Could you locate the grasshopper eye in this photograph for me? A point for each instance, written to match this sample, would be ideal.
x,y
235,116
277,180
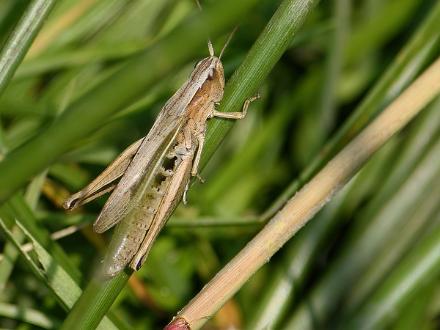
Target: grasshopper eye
x,y
211,74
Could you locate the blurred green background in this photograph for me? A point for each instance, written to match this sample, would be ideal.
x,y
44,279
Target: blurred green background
x,y
92,82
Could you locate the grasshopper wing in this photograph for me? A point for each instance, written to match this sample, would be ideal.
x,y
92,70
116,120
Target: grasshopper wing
x,y
140,214
171,117
104,182
173,195
143,167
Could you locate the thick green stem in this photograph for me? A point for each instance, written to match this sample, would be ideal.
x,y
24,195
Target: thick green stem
x,y
95,302
89,112
260,60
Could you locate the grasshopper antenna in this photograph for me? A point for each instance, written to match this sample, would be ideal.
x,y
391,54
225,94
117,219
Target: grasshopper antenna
x,y
210,47
227,42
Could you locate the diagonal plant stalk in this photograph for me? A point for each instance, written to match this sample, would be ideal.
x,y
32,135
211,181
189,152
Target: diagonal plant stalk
x,y
270,45
289,276
415,227
124,86
408,63
53,267
99,294
334,65
222,181
8,260
369,235
418,312
10,252
28,315
378,27
266,157
420,266
50,272
310,199
11,15
410,59
19,208
20,40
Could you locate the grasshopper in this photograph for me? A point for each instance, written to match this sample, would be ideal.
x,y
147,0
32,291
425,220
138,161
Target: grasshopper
x,y
152,175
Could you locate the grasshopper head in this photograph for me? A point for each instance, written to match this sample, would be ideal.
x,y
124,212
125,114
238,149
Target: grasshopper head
x,y
212,65
210,69
218,71
216,78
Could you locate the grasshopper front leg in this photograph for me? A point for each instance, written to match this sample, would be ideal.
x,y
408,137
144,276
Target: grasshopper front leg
x,y
238,114
218,114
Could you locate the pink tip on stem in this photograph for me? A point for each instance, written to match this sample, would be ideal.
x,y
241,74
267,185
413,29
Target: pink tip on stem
x,y
178,323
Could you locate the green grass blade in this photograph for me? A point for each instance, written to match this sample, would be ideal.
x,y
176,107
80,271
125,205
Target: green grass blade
x,y
20,40
416,270
86,114
10,253
300,255
364,242
19,208
408,63
253,69
28,315
260,60
397,247
50,272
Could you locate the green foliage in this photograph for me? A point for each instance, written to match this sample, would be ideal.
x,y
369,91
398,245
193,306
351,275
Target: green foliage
x,y
94,79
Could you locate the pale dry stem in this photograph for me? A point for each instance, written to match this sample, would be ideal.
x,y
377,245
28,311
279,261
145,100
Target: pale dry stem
x,y
311,198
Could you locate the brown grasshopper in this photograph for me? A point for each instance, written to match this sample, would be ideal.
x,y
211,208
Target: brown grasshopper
x,y
154,172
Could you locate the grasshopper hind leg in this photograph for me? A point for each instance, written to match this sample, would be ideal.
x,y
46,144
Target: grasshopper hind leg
x,y
174,191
